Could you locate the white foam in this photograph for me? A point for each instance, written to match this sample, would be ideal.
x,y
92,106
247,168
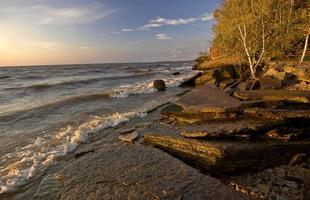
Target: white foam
x,y
28,162
144,87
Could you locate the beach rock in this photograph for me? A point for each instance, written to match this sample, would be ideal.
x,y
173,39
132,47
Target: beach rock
x,y
49,189
206,77
236,127
176,112
228,156
279,113
176,73
208,98
138,172
159,85
216,63
286,133
190,82
287,95
129,137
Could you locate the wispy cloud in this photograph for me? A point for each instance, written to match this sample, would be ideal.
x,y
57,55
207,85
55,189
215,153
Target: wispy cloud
x,y
162,36
160,21
127,30
43,14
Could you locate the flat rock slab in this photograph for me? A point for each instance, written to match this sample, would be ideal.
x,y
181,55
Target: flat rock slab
x,y
288,95
229,156
278,113
237,127
138,172
208,98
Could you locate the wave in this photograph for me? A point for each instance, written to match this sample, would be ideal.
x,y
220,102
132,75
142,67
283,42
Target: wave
x,y
47,85
123,91
31,161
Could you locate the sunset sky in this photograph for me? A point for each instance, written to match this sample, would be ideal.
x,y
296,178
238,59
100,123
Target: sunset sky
x,y
34,32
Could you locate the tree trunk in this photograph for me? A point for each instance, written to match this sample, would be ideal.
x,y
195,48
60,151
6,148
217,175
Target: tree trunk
x,y
305,49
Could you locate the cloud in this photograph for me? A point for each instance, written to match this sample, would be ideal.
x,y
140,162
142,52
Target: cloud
x,y
162,36
43,14
127,30
160,21
207,17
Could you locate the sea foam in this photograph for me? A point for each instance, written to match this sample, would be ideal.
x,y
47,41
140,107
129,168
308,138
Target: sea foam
x,y
31,161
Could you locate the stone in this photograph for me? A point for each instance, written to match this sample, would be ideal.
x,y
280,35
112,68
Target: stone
x,y
208,98
297,159
228,156
129,137
176,73
190,82
159,85
138,172
235,127
49,189
291,184
287,95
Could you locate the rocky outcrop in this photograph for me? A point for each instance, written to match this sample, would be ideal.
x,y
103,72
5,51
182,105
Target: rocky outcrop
x,y
302,96
159,85
230,128
208,98
229,156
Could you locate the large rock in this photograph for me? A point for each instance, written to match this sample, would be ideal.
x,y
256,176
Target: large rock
x,y
287,95
278,113
229,156
302,72
215,64
190,82
138,172
160,85
208,98
237,127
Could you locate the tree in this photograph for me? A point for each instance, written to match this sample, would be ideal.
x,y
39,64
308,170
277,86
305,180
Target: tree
x,y
256,31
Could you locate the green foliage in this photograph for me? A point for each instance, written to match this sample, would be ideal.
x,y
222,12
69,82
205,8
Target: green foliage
x,y
282,23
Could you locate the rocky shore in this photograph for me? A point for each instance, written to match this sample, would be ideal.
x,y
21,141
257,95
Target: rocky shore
x,y
224,139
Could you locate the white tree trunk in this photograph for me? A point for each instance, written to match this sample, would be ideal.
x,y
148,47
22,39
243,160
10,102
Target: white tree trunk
x,y
305,49
253,66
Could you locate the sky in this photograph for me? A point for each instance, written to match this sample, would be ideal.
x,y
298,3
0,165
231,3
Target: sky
x,y
44,32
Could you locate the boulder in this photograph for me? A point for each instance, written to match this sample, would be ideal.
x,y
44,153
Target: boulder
x,y
138,172
208,98
229,156
286,95
159,85
190,82
216,64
